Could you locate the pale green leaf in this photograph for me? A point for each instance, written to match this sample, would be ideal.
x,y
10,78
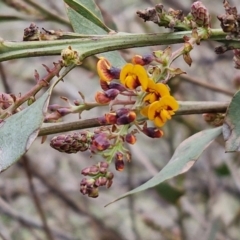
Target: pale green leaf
x,y
231,126
18,132
182,160
89,10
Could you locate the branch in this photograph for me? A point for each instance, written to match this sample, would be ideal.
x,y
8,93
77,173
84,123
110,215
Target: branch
x,y
185,108
88,45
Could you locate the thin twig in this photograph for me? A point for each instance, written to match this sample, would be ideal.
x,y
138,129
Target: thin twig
x,y
36,198
201,83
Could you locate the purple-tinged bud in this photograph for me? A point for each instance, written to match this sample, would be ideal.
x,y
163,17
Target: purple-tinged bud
x,y
114,72
130,138
200,14
122,111
90,171
153,132
143,60
126,118
119,87
102,98
112,93
101,181
100,143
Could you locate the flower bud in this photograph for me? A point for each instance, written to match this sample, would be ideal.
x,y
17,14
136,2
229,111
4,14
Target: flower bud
x,y
119,163
112,93
70,143
200,14
153,132
130,138
105,71
119,87
100,142
101,181
93,192
102,98
70,56
126,118
90,171
111,118
143,60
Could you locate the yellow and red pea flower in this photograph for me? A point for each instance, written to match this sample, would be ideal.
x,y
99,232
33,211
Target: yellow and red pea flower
x,y
161,111
133,76
155,91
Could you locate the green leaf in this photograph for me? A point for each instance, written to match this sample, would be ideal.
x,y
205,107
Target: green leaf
x,y
89,10
18,132
182,160
231,126
84,23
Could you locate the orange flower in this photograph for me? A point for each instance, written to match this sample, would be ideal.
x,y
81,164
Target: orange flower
x,y
106,71
155,91
133,76
161,111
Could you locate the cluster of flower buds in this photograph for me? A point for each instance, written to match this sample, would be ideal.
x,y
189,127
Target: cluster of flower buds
x,y
100,176
175,19
72,143
230,21
200,14
121,116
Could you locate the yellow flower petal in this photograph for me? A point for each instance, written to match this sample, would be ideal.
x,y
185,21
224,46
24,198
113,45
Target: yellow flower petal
x,y
158,122
162,89
142,75
138,74
144,111
125,71
154,108
170,102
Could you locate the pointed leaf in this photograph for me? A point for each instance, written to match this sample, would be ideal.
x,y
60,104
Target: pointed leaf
x,y
83,24
89,10
231,126
182,160
18,132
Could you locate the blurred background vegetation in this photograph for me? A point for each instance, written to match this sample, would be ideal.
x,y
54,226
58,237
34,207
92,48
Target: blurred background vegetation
x,y
203,204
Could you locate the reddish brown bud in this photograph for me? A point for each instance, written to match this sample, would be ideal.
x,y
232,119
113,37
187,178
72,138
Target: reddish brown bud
x,y
119,163
109,175
101,98
111,118
142,60
126,118
100,143
130,138
153,132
